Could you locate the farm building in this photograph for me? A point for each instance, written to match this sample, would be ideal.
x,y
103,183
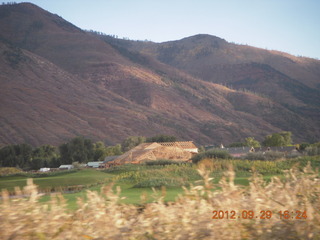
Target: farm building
x,y
242,151
108,160
177,151
236,151
44,169
94,164
286,150
239,151
68,167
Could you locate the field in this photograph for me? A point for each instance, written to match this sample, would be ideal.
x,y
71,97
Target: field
x,y
47,182
181,210
137,180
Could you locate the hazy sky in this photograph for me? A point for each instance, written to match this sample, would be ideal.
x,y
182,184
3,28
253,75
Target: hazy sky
x,y
291,26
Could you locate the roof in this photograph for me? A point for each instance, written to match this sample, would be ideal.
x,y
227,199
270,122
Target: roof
x,y
184,145
157,150
91,164
66,166
110,158
276,149
238,150
141,150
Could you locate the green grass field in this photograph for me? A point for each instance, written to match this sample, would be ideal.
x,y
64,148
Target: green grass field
x,y
131,178
96,179
84,177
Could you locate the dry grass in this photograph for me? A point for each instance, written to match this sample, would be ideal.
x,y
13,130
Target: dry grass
x,y
190,217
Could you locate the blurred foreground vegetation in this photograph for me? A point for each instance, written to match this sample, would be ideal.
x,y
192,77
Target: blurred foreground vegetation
x,y
101,215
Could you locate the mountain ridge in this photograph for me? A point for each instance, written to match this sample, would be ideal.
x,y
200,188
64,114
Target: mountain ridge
x,y
60,81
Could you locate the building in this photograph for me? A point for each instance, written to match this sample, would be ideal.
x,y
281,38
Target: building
x,y
94,164
66,167
44,170
108,160
238,151
176,151
234,151
286,150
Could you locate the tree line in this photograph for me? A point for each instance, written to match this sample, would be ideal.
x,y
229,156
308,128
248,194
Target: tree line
x,y
83,150
280,139
78,149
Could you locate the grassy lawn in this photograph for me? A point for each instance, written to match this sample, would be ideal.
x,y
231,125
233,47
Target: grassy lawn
x,y
131,194
131,178
83,177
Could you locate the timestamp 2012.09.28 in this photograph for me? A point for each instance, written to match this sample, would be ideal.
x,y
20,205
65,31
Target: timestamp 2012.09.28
x,y
263,214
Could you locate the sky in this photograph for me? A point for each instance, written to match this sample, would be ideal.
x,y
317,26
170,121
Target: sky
x,y
291,26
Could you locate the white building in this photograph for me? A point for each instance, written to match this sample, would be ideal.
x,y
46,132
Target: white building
x,y
68,167
94,164
44,169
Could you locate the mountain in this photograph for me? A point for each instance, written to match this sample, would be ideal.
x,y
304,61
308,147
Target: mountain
x,y
293,82
58,82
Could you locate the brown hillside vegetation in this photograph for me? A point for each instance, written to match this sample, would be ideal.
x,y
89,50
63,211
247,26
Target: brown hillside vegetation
x,y
293,82
58,82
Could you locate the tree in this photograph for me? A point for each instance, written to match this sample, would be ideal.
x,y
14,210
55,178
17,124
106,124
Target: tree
x,y
114,150
211,154
287,137
45,152
303,146
99,150
278,139
251,142
28,158
64,153
19,155
78,149
131,142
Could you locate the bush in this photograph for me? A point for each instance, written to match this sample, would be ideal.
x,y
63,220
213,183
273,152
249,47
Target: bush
x,y
9,171
264,156
161,182
163,162
313,150
244,166
187,173
264,167
43,174
125,168
213,154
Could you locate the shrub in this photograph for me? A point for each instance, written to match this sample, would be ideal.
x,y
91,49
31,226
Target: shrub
x,y
264,156
244,166
125,168
9,171
44,174
161,182
214,154
163,162
187,173
313,150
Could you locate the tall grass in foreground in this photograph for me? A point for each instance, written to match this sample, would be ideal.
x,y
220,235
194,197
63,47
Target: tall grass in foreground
x,y
100,216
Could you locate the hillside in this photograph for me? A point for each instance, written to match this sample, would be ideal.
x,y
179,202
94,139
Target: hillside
x,y
292,81
59,82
